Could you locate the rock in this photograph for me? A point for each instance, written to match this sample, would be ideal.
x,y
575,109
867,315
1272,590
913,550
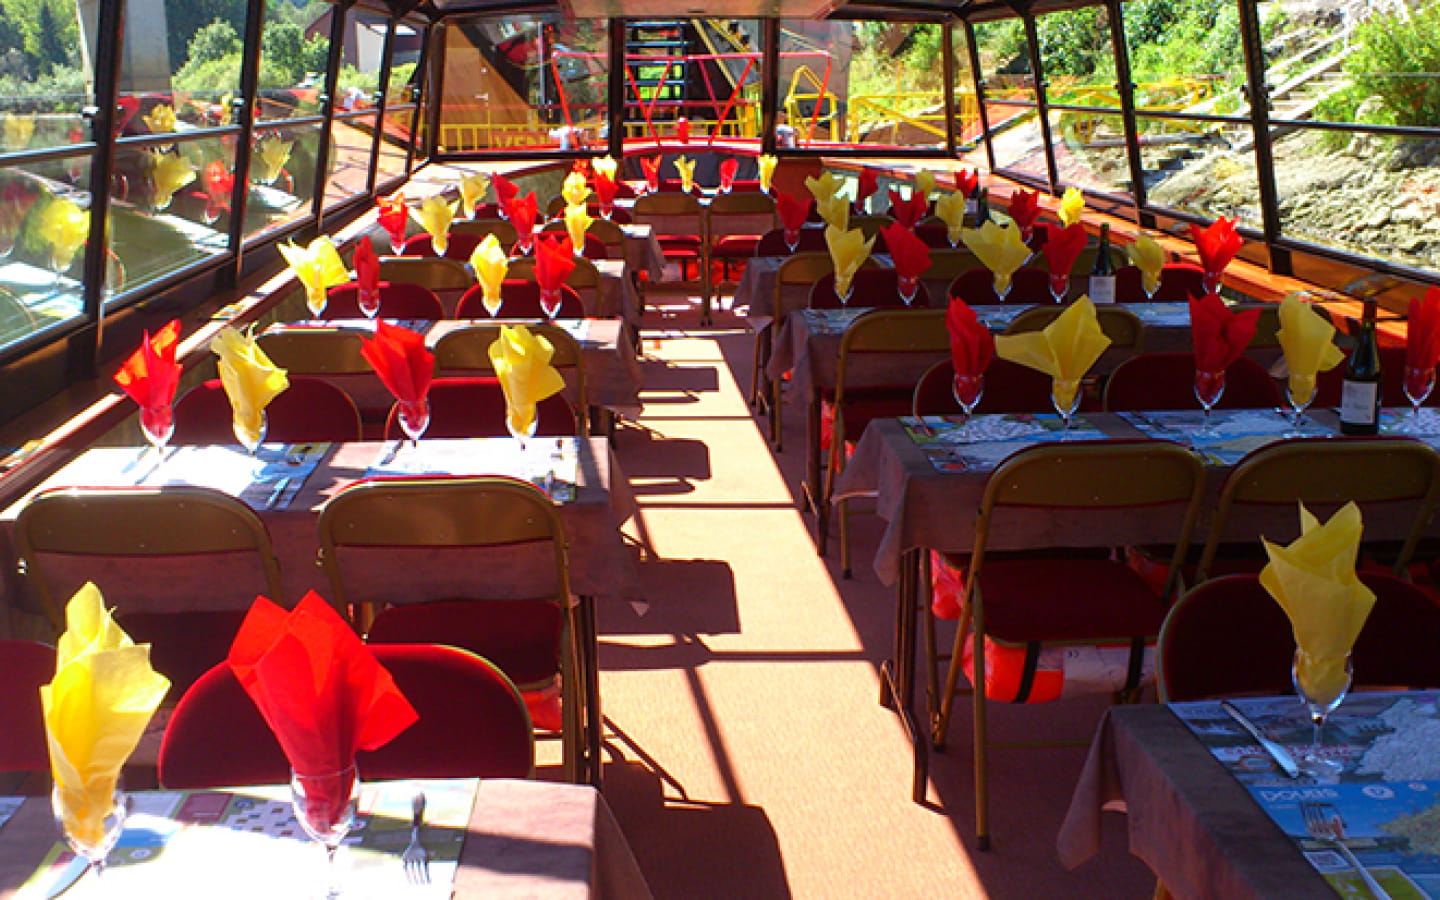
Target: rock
x,y
1378,218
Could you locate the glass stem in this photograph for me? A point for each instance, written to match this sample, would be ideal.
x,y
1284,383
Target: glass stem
x,y
332,872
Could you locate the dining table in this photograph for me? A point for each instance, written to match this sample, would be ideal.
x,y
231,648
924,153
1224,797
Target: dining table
x,y
926,478
1214,815
488,839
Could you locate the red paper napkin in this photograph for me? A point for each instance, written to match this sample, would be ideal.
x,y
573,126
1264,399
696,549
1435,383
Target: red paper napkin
x,y
908,212
320,689
793,211
728,168
522,212
394,218
1422,331
367,268
972,346
869,183
399,357
1219,334
650,165
554,261
1024,208
967,180
682,131
505,190
1062,247
151,375
911,255
1217,245
219,183
605,188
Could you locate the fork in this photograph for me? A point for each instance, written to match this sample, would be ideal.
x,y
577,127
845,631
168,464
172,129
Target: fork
x,y
415,859
1324,823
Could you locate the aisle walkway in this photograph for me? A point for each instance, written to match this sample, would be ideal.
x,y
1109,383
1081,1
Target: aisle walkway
x,y
747,755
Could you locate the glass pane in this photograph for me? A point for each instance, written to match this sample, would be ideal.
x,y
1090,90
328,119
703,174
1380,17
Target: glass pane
x,y
706,72
1004,60
180,66
43,83
967,108
43,230
169,207
528,81
1016,138
1076,52
282,177
391,162
1186,55
1366,194
351,140
1090,150
1186,171
294,51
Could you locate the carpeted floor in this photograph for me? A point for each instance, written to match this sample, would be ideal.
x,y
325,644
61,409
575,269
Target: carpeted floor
x,y
746,752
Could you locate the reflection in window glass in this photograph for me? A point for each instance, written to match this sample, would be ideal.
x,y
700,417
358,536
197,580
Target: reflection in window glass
x,y
282,177
1004,61
706,72
351,139
44,223
42,77
873,83
1090,150
1076,54
1192,167
538,82
180,66
967,108
1017,140
1185,55
294,53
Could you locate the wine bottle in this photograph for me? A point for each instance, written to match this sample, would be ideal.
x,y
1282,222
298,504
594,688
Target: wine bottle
x,y
1102,272
972,202
982,207
1360,391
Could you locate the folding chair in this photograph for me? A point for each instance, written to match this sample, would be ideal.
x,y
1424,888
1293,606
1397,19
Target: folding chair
x,y
446,277
180,564
479,563
976,287
398,300
519,300
473,724
872,287
1009,388
1167,381
731,221
1178,283
793,281
458,246
475,407
331,354
309,410
1119,324
24,667
686,248
1063,600
595,246
584,278
503,229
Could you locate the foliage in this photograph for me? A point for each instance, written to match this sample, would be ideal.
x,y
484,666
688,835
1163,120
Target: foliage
x,y
185,19
906,58
1201,37
1076,42
1392,72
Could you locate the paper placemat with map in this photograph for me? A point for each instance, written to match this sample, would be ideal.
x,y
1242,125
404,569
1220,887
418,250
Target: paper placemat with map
x,y
953,444
1388,792
246,843
1232,432
550,463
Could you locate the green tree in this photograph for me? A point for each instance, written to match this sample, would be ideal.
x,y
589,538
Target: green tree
x,y
283,49
184,19
215,41
50,49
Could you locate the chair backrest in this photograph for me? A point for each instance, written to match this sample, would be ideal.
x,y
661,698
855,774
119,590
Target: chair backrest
x,y
449,536
503,229
1235,619
437,274
894,344
1096,476
739,204
1178,283
458,246
475,407
946,264
398,300
1326,473
24,667
772,242
1167,381
935,234
613,236
794,279
666,204
519,300
473,723
1009,388
316,351
977,287
180,564
872,226
308,410
585,276
1120,325
872,286
467,350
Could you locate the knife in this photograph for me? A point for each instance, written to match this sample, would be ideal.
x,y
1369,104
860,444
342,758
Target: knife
x,y
279,492
1277,752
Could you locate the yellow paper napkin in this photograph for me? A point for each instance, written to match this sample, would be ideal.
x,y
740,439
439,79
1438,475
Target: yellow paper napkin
x,y
250,379
1308,344
1314,581
161,119
274,154
607,166
686,167
18,131
522,363
1000,248
951,210
472,191
435,215
925,183
835,210
767,164
168,173
96,709
490,263
1149,258
1065,350
848,250
576,190
577,222
1072,204
317,266
823,187
65,227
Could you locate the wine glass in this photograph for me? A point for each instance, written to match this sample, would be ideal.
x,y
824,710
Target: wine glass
x,y
368,299
967,391
1213,281
1299,391
525,243
1059,285
1149,283
89,839
1002,286
1419,382
158,423
1321,685
521,435
550,301
792,238
249,438
607,209
325,807
1209,386
414,418
1065,394
909,286
844,295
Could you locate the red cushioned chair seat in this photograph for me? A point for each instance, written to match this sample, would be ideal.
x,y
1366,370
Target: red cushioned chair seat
x,y
24,667
519,299
522,637
308,410
398,300
183,645
475,407
735,246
